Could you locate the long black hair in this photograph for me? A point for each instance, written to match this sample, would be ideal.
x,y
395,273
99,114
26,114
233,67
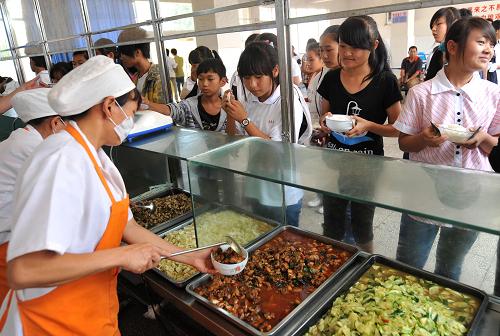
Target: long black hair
x,y
451,14
362,32
200,54
258,58
332,32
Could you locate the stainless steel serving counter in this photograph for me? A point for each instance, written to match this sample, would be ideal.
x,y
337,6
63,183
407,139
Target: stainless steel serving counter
x,y
216,324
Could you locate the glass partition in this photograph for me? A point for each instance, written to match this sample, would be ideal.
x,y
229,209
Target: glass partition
x,y
456,196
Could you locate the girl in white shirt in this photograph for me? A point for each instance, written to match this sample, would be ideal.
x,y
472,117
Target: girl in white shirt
x,y
260,116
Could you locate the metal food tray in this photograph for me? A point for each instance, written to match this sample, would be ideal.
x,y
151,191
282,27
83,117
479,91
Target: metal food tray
x,y
180,226
161,192
303,305
378,259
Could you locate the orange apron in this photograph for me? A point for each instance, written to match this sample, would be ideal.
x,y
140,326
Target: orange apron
x,y
88,306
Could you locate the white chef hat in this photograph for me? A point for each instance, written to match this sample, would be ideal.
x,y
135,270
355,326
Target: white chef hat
x,y
88,85
32,104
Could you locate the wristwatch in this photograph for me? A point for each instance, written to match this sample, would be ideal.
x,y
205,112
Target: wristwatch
x,y
245,122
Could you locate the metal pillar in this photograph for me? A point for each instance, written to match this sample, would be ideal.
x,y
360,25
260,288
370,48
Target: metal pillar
x,y
86,24
10,37
285,59
160,49
43,34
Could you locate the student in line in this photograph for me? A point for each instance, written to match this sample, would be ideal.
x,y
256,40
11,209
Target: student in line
x,y
453,96
195,57
205,110
260,116
365,88
440,22
79,57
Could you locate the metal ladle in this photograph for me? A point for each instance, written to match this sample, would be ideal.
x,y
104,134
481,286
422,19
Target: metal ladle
x,y
235,246
150,206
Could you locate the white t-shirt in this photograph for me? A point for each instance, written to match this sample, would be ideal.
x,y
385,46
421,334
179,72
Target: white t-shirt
x,y
315,99
60,203
14,151
267,117
141,81
171,64
497,59
296,70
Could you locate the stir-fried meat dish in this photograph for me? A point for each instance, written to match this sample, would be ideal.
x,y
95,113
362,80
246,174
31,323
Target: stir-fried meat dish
x,y
165,208
278,277
228,256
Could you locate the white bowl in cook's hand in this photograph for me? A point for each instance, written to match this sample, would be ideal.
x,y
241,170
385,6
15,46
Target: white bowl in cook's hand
x,y
340,123
229,269
455,133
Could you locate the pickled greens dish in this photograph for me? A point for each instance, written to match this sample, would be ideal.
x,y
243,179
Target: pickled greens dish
x,y
385,301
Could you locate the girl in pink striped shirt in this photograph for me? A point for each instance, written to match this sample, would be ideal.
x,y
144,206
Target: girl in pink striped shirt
x,y
454,96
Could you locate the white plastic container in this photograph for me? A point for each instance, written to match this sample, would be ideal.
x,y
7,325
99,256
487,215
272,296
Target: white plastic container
x,y
229,269
455,133
340,123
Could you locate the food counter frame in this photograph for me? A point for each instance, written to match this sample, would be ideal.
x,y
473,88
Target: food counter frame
x,y
289,165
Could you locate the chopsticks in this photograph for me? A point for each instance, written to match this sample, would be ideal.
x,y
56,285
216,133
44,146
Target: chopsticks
x,y
475,132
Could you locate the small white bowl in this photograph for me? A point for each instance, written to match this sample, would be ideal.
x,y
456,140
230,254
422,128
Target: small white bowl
x,y
340,123
455,133
229,269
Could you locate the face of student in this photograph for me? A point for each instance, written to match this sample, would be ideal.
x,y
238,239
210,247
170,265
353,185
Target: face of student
x,y
412,53
477,53
439,28
56,76
351,58
329,51
314,63
210,83
261,86
194,67
78,60
127,61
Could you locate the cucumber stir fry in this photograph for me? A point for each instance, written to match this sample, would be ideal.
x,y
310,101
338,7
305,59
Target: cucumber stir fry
x,y
389,302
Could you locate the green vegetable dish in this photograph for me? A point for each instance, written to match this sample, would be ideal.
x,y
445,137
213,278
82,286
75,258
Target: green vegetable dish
x,y
385,301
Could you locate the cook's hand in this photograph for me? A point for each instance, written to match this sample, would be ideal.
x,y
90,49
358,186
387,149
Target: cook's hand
x,y
201,260
430,139
476,140
32,84
322,122
138,258
361,126
234,108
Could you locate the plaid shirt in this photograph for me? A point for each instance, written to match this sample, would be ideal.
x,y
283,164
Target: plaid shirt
x,y
152,89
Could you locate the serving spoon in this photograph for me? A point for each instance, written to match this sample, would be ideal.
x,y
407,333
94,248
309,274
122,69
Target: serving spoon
x,y
235,246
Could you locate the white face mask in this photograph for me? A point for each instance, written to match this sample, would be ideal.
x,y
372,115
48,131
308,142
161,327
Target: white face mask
x,y
125,127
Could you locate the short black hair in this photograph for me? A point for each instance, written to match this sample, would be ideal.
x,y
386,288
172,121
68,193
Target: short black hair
x,y
460,30
132,95
496,24
129,50
451,14
413,47
39,61
61,67
174,51
212,65
81,52
38,121
465,12
258,58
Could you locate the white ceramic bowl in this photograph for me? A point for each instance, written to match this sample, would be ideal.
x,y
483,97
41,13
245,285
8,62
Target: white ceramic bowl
x,y
339,123
455,133
229,269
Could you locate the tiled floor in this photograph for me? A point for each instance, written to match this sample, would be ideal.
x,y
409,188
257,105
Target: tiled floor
x,y
480,263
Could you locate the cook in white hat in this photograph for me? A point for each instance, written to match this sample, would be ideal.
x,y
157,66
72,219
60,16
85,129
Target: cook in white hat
x,y
33,108
70,259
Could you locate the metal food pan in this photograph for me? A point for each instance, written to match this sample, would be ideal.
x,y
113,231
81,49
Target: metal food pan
x,y
378,259
303,306
162,235
179,226
162,192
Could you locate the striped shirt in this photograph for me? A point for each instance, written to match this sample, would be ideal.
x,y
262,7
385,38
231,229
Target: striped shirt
x,y
475,104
